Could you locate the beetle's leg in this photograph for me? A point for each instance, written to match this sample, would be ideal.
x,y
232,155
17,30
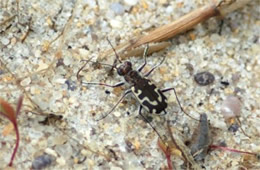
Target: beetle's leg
x,y
144,56
103,84
152,69
119,101
178,101
140,112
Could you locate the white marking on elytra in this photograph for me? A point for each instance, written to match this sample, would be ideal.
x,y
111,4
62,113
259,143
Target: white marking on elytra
x,y
160,96
155,103
138,93
156,90
150,83
146,108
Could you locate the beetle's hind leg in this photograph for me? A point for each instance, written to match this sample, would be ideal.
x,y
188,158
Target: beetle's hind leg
x,y
146,120
178,101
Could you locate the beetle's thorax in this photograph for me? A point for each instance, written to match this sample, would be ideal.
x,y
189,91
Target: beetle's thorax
x,y
132,77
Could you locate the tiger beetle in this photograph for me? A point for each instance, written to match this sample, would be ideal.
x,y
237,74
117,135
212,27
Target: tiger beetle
x,y
148,95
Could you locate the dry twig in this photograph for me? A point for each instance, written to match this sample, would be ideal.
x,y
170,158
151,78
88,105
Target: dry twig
x,y
184,23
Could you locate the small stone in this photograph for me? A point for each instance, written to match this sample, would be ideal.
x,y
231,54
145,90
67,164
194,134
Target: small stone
x,y
60,80
42,161
215,38
233,128
13,41
224,83
130,2
117,114
116,24
117,8
61,161
258,156
231,107
204,78
51,152
71,85
115,168
5,41
67,61
42,66
162,2
26,81
59,140
169,10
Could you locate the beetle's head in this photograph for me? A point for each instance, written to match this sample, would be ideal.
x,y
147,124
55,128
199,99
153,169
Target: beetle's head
x,y
124,68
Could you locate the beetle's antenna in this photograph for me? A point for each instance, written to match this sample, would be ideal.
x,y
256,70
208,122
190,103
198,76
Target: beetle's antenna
x,y
81,68
117,56
104,64
89,60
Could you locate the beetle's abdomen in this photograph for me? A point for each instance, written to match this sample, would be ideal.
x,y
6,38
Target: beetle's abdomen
x,y
150,97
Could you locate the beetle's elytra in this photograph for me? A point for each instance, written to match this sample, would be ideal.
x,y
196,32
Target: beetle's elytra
x,y
150,97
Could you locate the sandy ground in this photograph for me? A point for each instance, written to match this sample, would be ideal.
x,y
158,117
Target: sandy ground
x,y
64,32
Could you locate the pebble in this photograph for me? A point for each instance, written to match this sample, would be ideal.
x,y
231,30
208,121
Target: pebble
x,y
233,128
51,152
67,61
115,168
117,8
61,161
169,9
130,2
42,66
117,114
26,81
115,23
42,161
5,41
204,78
71,85
215,38
231,107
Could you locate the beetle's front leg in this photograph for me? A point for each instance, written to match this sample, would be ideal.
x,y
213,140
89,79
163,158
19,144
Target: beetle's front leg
x,y
119,101
103,84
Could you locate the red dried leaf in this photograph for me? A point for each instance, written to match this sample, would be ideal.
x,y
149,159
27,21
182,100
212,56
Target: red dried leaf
x,y
7,110
167,151
231,150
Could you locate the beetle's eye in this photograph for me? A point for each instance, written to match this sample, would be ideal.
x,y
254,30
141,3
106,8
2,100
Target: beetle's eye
x,y
129,64
120,71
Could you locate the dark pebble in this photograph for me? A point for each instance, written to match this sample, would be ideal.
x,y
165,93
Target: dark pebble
x,y
224,83
42,162
204,78
233,128
71,85
222,143
258,156
107,91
